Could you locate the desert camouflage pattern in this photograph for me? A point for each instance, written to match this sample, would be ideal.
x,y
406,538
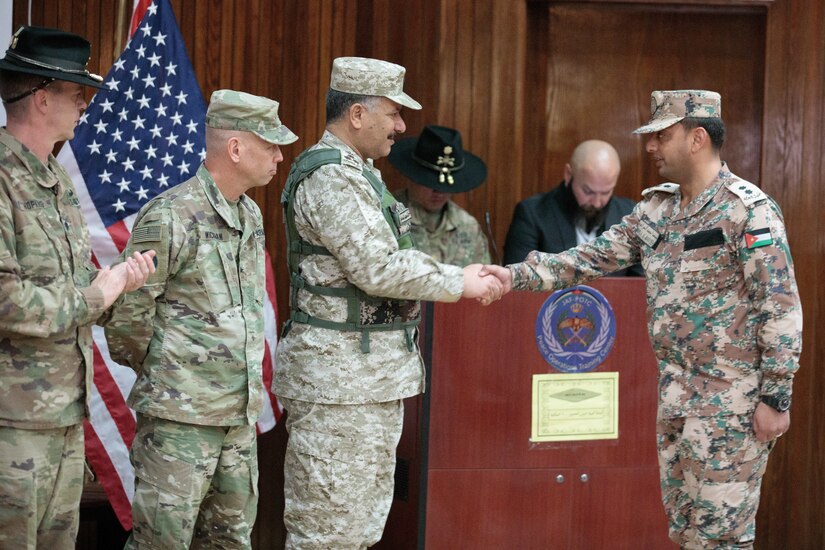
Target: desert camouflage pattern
x,y
232,110
725,321
338,209
41,480
365,76
711,473
46,304
669,107
339,473
194,332
195,486
457,238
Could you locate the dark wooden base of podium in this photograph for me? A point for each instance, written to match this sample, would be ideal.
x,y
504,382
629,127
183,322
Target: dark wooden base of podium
x,y
468,475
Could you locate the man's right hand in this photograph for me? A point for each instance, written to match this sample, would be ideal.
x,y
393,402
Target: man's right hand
x,y
485,289
503,274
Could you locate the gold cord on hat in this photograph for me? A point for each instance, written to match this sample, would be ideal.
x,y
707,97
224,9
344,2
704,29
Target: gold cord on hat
x,y
445,165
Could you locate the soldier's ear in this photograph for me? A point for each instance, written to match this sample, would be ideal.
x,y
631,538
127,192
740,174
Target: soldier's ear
x,y
356,115
233,149
699,138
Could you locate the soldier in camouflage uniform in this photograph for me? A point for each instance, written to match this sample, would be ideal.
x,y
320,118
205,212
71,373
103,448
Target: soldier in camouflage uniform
x,y
438,167
349,353
50,292
194,334
724,318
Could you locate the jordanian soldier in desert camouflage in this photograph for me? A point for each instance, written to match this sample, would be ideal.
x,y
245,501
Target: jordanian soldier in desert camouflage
x,y
349,354
50,292
724,318
194,334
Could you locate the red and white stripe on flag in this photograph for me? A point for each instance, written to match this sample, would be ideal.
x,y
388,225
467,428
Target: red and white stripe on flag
x,y
110,428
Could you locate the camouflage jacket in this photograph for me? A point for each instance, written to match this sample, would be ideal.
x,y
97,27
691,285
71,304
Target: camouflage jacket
x,y
194,332
723,308
458,239
46,304
337,208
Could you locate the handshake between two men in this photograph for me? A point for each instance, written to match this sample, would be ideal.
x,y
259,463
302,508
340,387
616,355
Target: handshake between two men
x,y
486,283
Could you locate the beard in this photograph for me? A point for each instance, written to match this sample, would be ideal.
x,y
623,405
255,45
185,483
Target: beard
x,y
593,217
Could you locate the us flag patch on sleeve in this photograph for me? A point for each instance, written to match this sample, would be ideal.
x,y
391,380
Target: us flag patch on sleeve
x,y
758,237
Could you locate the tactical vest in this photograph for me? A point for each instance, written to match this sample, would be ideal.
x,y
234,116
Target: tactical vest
x,y
365,313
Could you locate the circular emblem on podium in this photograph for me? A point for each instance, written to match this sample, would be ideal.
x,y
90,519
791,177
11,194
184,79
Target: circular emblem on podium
x,y
575,329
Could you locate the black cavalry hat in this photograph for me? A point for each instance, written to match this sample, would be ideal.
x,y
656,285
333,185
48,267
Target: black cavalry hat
x,y
50,53
436,159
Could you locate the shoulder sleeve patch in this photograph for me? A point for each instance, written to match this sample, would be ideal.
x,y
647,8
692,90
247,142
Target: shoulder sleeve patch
x,y
147,233
746,191
664,187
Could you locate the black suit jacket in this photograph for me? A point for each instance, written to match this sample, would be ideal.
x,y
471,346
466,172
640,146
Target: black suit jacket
x,y
542,222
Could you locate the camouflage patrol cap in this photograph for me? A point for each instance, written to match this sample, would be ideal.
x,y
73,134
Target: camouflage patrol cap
x,y
231,110
669,107
364,76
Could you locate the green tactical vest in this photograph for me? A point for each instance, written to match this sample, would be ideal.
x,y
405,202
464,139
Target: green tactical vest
x,y
365,313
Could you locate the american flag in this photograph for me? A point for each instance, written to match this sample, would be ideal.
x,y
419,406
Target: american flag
x,y
141,134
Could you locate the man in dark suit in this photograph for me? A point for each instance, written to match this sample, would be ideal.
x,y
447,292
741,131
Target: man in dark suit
x,y
578,210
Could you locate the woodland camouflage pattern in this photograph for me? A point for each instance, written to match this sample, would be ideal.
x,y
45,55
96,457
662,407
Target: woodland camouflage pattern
x,y
46,304
670,106
178,467
725,321
233,110
711,480
194,332
458,239
41,480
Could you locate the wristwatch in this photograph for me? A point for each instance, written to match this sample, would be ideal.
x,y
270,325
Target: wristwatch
x,y
781,403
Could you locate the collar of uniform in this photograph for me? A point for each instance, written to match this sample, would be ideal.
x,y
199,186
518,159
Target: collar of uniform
x,y
216,198
349,155
707,194
43,175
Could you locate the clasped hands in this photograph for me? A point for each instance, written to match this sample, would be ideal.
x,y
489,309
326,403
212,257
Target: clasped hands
x,y
126,276
486,283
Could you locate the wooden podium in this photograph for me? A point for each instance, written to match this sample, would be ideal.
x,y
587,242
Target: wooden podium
x,y
468,475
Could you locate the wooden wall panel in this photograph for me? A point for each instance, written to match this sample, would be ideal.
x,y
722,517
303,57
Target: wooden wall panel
x,y
600,75
484,67
794,174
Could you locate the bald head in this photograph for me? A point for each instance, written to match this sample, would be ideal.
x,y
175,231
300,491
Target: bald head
x,y
592,173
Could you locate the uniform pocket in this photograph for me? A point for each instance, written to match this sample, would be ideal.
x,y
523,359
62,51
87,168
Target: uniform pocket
x,y
219,273
17,521
163,510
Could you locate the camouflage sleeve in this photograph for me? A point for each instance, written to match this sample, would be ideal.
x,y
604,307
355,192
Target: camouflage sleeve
x,y
39,306
481,252
616,248
774,297
130,327
343,212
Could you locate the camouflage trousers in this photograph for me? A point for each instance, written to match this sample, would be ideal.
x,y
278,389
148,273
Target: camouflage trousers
x,y
195,486
339,473
711,474
41,480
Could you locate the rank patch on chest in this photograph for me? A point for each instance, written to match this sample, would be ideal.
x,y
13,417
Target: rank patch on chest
x,y
758,237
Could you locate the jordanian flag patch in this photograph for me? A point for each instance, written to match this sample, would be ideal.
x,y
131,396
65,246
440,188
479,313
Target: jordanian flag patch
x,y
758,237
